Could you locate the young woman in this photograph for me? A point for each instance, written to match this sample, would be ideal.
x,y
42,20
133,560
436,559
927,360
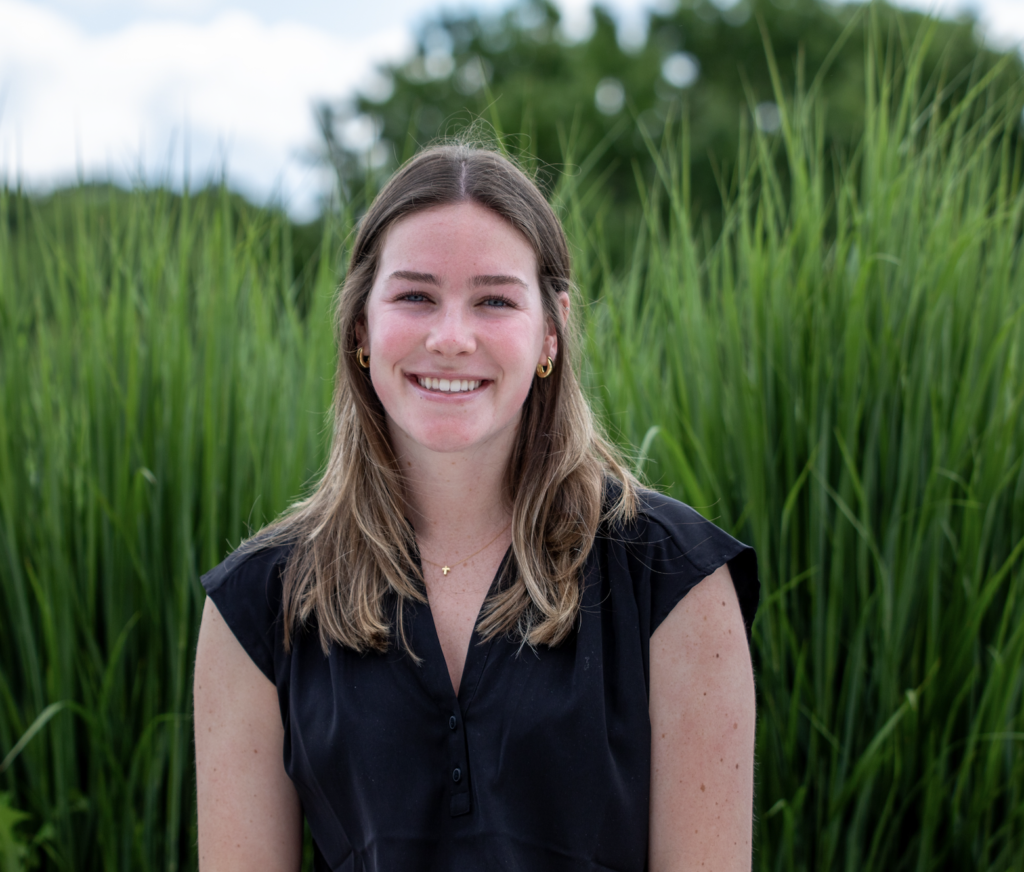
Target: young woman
x,y
479,644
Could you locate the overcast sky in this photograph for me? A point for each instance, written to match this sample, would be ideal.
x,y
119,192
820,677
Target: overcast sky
x,y
142,89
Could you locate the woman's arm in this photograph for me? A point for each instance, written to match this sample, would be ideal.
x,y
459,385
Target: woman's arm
x,y
249,813
702,734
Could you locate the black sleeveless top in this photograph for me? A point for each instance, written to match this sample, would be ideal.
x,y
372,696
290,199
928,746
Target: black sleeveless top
x,y
542,762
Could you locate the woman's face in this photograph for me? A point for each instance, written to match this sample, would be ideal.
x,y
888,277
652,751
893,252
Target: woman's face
x,y
455,329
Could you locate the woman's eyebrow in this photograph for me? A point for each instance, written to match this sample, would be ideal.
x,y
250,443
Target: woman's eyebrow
x,y
492,281
484,281
409,276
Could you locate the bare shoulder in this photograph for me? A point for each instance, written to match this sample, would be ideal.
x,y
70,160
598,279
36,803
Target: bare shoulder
x,y
249,814
702,709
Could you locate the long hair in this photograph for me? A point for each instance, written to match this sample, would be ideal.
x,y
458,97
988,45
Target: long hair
x,y
352,566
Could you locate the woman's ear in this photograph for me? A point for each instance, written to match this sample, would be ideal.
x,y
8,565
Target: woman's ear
x,y
361,336
563,307
550,348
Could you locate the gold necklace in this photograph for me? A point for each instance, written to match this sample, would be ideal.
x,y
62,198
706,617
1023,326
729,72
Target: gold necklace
x,y
445,569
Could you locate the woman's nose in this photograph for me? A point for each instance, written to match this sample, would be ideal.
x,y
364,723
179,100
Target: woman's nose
x,y
451,332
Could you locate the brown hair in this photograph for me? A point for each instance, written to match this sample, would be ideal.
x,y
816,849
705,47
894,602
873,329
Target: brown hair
x,y
352,547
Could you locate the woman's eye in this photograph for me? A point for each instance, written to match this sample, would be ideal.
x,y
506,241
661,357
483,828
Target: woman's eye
x,y
499,302
413,297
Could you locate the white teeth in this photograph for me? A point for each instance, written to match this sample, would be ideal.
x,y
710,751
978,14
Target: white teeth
x,y
448,386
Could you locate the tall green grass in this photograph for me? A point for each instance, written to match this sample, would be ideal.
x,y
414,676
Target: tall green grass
x,y
836,378
161,394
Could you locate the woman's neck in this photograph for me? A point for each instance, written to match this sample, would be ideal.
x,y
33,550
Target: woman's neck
x,y
457,498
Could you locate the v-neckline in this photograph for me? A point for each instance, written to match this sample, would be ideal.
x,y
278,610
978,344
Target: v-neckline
x,y
433,669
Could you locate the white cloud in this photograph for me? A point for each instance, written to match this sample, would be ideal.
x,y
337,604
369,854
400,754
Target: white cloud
x,y
112,104
107,87
1002,21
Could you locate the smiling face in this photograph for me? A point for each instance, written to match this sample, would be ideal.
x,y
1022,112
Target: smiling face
x,y
455,328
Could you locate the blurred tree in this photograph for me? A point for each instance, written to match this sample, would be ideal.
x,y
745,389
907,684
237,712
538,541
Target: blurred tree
x,y
596,98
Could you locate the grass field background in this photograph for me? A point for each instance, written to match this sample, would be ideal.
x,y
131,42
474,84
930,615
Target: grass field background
x,y
835,377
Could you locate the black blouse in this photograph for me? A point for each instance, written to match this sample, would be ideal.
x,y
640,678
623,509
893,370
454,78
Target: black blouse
x,y
543,760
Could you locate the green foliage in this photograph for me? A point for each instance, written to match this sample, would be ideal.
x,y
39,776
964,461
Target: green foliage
x,y
519,73
18,850
162,392
13,850
60,214
836,377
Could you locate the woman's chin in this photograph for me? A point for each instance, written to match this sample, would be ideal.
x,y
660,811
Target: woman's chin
x,y
449,443
449,439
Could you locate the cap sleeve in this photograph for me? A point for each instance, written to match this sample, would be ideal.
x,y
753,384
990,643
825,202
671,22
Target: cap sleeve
x,y
685,547
246,588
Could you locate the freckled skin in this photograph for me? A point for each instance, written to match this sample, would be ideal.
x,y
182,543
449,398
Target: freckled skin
x,y
695,656
239,793
452,326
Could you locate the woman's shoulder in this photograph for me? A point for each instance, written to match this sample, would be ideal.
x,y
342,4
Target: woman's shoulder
x,y
662,520
677,546
246,587
699,539
259,559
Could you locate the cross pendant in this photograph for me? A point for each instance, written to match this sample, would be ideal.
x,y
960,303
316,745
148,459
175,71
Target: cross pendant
x,y
445,570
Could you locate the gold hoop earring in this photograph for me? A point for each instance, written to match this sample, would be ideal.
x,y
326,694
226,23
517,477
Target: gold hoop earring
x,y
544,371
364,362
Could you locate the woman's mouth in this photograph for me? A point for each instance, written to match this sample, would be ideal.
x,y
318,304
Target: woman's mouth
x,y
448,386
